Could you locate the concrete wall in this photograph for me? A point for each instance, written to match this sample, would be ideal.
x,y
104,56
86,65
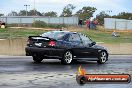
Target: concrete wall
x,y
12,47
30,19
122,48
119,24
17,47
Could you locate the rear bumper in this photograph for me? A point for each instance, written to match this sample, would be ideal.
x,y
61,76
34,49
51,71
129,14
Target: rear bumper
x,y
45,52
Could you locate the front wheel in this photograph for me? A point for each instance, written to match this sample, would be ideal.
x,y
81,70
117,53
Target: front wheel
x,y
67,58
102,57
37,59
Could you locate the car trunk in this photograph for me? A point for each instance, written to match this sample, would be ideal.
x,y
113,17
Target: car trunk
x,y
38,41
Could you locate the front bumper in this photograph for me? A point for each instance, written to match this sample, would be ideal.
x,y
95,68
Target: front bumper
x,y
44,52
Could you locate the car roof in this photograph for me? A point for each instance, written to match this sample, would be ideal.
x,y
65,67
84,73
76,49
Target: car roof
x,y
64,31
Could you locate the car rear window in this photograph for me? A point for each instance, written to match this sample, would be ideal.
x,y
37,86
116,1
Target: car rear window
x,y
54,35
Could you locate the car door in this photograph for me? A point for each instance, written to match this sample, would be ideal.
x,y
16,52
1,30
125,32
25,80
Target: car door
x,y
76,44
88,49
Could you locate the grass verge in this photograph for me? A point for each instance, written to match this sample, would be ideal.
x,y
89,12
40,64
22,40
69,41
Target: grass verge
x,y
96,35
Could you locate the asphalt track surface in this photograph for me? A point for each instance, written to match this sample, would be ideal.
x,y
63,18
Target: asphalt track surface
x,y
22,72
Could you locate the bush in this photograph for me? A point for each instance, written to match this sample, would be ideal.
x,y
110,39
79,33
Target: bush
x,y
56,26
18,25
45,25
11,25
39,24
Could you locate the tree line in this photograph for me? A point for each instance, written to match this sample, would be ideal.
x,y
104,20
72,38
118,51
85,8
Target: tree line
x,y
122,15
84,13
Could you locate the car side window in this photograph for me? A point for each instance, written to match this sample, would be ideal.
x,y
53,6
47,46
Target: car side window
x,y
86,41
74,38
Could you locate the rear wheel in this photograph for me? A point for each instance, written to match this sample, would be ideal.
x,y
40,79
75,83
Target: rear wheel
x,y
37,59
103,57
67,58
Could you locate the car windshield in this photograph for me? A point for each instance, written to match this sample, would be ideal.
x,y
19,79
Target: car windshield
x,y
54,35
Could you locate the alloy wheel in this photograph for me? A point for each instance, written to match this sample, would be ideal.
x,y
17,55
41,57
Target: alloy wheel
x,y
68,57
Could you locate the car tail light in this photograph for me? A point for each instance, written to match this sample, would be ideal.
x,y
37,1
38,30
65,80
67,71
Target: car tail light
x,y
51,43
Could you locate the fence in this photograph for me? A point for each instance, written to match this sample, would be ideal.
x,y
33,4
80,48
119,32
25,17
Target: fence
x,y
31,19
119,24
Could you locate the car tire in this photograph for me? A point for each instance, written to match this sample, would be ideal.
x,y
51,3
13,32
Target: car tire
x,y
67,58
103,56
37,59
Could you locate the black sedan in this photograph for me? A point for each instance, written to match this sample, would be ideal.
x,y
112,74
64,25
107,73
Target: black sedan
x,y
65,46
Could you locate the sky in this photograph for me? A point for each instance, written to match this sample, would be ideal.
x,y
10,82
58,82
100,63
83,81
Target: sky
x,y
116,6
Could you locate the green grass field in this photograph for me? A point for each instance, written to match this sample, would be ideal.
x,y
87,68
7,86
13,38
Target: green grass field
x,y
18,33
96,35
105,36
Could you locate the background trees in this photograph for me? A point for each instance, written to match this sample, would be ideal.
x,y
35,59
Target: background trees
x,y
1,14
50,14
101,17
12,13
67,10
34,13
83,13
123,15
22,13
86,12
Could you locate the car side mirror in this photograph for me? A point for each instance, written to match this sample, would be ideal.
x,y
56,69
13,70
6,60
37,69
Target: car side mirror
x,y
93,43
